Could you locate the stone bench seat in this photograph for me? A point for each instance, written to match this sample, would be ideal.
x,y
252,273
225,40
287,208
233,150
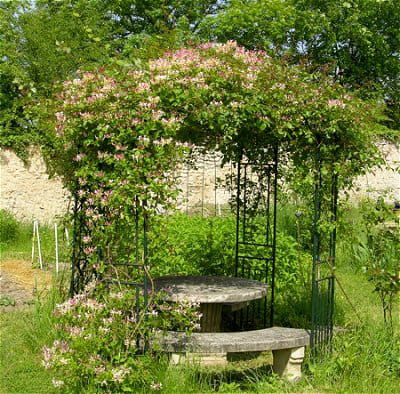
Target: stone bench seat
x,y
286,344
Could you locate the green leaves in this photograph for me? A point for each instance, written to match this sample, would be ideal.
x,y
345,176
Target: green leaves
x,y
41,45
356,42
379,252
100,337
119,133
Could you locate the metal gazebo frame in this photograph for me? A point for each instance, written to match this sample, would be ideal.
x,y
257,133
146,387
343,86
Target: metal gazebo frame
x,y
255,196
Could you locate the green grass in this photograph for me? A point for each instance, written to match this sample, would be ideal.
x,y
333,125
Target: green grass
x,y
16,241
365,359
21,370
23,334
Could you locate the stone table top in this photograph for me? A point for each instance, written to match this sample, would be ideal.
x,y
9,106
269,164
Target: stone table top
x,y
210,289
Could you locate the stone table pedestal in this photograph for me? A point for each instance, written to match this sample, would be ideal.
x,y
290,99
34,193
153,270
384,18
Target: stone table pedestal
x,y
211,292
287,363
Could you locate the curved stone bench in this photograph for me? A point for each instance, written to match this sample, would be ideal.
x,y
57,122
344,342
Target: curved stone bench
x,y
286,344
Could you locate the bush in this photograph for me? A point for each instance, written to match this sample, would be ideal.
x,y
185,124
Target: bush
x,y
195,245
192,245
374,247
101,337
9,226
206,246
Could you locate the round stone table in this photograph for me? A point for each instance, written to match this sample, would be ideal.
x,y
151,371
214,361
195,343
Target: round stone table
x,y
212,292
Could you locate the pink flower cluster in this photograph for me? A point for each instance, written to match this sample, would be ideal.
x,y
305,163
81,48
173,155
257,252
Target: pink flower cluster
x,y
52,354
74,331
93,304
119,374
89,86
69,305
336,103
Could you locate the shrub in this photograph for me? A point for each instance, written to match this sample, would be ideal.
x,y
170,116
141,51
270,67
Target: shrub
x,y
377,252
206,246
192,245
101,337
9,228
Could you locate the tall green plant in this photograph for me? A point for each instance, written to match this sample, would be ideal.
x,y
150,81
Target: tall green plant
x,y
379,252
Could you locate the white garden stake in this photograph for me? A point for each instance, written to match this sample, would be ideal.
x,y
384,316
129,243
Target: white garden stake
x,y
33,241
39,246
36,232
56,245
67,235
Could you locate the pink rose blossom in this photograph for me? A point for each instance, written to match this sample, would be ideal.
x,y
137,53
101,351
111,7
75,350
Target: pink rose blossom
x,y
57,383
79,156
119,156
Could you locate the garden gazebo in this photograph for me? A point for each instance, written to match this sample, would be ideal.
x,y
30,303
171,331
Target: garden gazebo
x,y
122,132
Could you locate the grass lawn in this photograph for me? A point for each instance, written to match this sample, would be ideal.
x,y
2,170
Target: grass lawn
x,y
21,369
365,360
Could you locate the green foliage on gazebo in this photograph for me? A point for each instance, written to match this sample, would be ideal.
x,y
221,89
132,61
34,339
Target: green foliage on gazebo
x,y
118,134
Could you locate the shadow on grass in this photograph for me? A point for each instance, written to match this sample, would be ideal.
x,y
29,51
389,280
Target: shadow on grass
x,y
243,369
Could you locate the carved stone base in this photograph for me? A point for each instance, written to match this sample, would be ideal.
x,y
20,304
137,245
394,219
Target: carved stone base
x,y
211,319
203,359
287,363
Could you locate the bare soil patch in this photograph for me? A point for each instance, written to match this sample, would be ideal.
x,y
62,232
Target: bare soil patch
x,y
19,282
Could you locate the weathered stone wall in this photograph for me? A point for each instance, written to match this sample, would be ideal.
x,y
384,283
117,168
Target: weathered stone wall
x,y
202,185
28,192
381,181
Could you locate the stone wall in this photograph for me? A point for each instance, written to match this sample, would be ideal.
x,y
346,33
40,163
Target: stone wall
x,y
28,192
202,185
381,181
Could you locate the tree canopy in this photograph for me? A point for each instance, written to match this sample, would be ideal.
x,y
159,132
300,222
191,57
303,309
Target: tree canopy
x,y
38,47
357,41
42,42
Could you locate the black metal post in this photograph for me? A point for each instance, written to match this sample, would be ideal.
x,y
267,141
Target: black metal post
x,y
316,254
274,234
145,256
72,287
237,215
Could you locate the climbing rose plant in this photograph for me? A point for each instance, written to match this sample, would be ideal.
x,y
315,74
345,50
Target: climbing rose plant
x,y
119,134
101,336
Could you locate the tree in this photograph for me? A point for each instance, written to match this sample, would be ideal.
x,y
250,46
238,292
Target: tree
x,y
357,41
131,17
40,45
15,83
261,24
45,42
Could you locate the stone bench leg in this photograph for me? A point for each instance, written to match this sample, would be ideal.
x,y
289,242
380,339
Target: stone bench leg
x,y
287,363
203,359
